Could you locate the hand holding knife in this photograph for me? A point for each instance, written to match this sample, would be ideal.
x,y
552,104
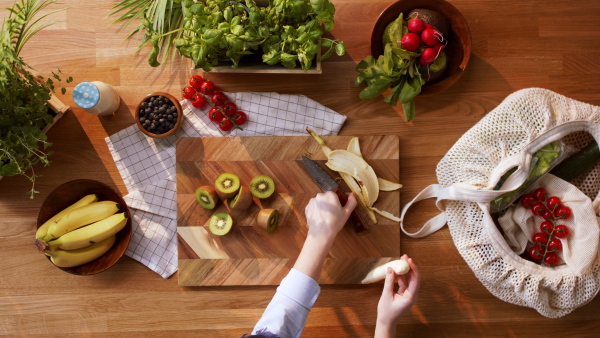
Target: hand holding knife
x,y
328,183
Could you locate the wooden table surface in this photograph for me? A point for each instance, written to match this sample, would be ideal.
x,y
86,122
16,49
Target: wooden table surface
x,y
516,44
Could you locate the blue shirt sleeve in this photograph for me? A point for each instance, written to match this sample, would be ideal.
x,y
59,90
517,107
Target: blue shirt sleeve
x,y
286,314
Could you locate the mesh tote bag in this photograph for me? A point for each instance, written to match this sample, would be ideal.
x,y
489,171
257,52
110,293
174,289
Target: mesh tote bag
x,y
504,142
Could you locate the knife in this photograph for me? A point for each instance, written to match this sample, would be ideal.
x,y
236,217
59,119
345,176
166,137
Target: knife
x,y
328,183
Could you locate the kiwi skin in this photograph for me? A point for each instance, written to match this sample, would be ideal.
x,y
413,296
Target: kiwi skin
x,y
227,193
257,181
210,193
220,223
243,200
267,219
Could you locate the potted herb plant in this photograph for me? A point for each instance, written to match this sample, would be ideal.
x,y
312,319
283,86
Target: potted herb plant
x,y
25,99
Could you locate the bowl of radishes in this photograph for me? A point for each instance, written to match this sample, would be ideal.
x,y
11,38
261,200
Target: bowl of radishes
x,y
428,31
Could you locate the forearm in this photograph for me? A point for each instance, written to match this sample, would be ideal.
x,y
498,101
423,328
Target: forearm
x,y
312,256
385,330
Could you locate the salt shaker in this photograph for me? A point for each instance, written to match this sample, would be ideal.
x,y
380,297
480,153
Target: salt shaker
x,y
96,97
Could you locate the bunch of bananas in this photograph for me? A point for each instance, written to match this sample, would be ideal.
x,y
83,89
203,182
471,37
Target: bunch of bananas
x,y
82,232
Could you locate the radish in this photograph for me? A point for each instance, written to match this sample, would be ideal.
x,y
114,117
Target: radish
x,y
438,47
416,25
431,37
411,42
428,56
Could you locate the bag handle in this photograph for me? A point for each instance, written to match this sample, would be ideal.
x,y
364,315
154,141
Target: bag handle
x,y
469,193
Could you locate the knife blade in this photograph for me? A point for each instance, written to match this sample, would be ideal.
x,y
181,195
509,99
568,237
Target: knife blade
x,y
328,183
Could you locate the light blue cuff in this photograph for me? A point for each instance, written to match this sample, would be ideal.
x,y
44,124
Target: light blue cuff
x,y
300,288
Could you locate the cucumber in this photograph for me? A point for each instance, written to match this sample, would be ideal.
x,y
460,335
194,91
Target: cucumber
x,y
578,163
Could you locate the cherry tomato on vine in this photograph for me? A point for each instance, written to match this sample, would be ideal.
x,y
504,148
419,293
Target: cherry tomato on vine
x,y
229,109
198,101
225,124
561,231
536,252
563,212
540,238
547,215
537,208
551,258
547,227
196,81
555,245
540,194
527,200
207,88
215,115
240,118
218,98
188,92
553,202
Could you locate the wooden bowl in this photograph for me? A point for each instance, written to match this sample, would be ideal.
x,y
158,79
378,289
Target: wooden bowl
x,y
177,123
69,193
458,50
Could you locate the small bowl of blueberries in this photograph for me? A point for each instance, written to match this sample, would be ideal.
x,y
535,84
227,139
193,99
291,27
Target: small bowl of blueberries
x,y
159,115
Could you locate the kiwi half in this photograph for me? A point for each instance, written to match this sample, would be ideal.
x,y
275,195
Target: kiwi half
x,y
242,200
220,223
206,197
262,186
267,219
227,185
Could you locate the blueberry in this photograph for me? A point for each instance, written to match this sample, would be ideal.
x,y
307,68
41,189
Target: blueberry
x,y
161,121
175,115
170,117
142,119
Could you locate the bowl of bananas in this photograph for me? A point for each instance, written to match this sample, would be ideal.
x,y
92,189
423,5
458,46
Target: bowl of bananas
x,y
83,227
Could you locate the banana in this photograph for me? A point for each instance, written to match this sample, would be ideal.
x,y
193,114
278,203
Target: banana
x,y
43,230
81,216
349,163
71,258
91,234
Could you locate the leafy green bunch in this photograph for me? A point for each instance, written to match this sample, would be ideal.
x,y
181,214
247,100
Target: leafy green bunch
x,y
23,98
397,69
295,32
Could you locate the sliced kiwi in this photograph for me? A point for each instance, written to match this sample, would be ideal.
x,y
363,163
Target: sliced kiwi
x,y
262,186
242,200
220,223
267,219
206,197
227,185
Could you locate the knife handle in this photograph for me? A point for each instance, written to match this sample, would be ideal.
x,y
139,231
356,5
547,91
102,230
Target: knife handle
x,y
357,221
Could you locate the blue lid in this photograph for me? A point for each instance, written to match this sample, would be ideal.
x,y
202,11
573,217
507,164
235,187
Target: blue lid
x,y
86,95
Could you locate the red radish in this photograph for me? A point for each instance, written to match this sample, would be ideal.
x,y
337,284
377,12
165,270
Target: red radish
x,y
428,56
411,42
431,37
438,47
416,25
430,26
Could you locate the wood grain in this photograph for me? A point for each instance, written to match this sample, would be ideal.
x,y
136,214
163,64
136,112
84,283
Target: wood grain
x,y
515,45
248,255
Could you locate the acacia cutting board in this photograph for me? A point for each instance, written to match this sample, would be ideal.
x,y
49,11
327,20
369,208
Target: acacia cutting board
x,y
250,256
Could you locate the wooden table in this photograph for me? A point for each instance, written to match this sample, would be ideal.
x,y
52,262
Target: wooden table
x,y
516,44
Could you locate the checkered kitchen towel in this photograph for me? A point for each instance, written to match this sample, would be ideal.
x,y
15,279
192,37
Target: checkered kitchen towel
x,y
147,165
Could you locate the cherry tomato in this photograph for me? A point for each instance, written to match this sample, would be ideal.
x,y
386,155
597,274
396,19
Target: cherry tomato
x,y
540,194
555,245
527,200
540,238
225,124
416,25
411,42
553,202
551,259
536,252
229,109
537,208
188,92
563,212
196,81
547,215
561,231
218,98
240,118
547,227
207,88
198,101
215,114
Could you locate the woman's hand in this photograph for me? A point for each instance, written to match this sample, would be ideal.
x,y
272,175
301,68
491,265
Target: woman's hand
x,y
325,215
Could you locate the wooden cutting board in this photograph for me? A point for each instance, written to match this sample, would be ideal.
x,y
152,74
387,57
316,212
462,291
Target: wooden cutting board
x,y
250,256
